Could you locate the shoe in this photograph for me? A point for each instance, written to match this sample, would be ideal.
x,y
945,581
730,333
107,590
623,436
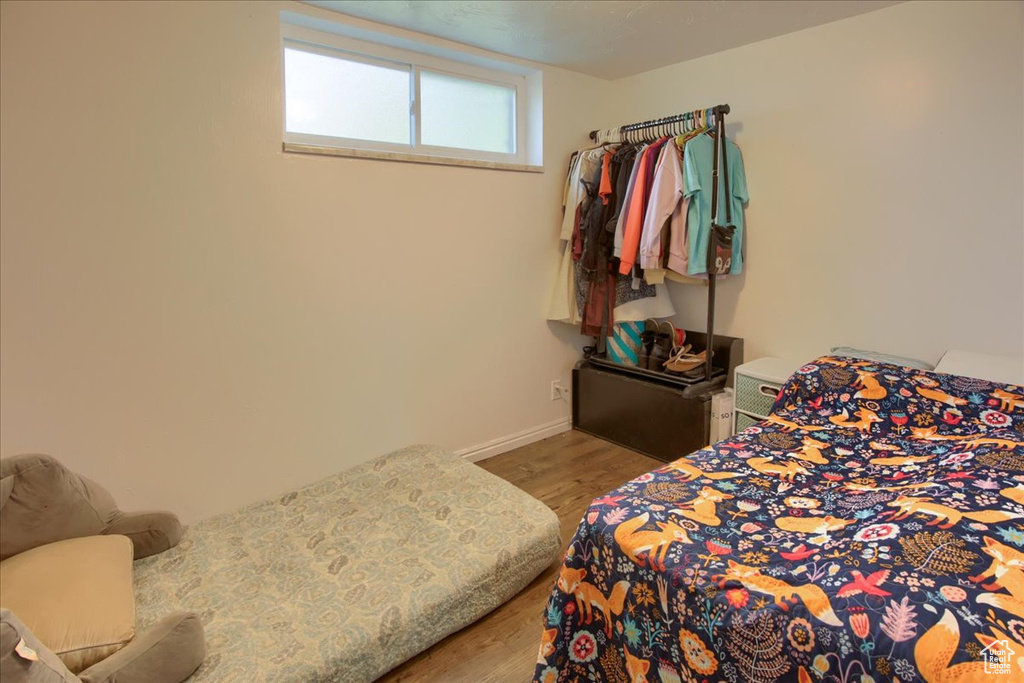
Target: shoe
x,y
662,349
647,338
684,362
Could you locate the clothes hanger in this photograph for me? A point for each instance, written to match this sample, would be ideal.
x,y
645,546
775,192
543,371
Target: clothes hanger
x,y
683,128
712,130
693,129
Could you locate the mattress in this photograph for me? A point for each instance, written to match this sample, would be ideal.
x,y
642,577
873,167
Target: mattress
x,y
346,578
871,530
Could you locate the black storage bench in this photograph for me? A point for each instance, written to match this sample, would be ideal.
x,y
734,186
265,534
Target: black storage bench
x,y
657,414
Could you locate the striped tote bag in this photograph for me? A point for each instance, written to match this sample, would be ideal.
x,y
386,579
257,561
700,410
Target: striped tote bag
x,y
624,343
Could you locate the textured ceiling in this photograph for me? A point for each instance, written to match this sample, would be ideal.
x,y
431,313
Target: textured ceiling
x,y
605,38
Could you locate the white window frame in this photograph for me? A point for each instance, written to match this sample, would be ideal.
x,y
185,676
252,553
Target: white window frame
x,y
331,44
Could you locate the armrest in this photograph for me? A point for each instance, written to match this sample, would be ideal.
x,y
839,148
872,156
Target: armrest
x,y
14,668
150,532
167,653
43,501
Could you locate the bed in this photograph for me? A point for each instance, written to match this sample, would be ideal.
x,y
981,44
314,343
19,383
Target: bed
x,y
870,530
346,578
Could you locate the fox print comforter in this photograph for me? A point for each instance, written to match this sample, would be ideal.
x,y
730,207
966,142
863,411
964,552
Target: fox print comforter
x,y
870,530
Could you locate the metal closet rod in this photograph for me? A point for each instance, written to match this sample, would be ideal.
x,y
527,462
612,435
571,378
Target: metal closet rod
x,y
716,111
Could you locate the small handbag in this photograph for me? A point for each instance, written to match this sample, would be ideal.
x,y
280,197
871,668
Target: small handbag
x,y
720,247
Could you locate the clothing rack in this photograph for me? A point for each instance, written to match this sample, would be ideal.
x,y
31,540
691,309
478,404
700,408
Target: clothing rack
x,y
667,122
670,125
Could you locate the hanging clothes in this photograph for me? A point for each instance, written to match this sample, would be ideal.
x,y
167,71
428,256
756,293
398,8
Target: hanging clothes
x,y
562,305
596,240
698,162
665,221
624,207
635,308
620,223
598,290
570,196
637,207
666,212
589,177
594,282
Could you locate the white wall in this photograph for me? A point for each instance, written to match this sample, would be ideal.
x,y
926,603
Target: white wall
x,y
199,320
885,161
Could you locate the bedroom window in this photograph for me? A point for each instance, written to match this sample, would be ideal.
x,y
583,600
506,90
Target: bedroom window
x,y
349,97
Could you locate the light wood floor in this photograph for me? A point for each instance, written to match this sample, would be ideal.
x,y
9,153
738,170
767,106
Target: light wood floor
x,y
565,472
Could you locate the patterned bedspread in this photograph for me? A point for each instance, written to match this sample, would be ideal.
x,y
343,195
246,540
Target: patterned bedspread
x,y
870,530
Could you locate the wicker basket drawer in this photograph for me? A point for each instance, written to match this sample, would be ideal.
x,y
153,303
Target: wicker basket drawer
x,y
743,421
755,396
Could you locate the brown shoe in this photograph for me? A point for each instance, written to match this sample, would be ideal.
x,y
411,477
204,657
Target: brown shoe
x,y
684,362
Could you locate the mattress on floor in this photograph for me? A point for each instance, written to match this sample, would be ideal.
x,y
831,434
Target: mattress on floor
x,y
344,579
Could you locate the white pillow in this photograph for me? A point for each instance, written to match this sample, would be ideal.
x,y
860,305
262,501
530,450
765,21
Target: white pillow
x,y
880,357
1005,369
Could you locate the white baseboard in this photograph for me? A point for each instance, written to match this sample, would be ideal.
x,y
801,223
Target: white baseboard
x,y
507,443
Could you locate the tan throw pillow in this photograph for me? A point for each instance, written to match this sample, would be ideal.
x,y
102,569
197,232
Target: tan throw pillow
x,y
76,596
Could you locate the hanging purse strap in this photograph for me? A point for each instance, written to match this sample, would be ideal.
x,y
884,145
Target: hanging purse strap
x,y
720,238
720,143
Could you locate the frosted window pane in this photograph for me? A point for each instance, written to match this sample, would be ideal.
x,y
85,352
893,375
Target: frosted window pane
x,y
467,114
345,99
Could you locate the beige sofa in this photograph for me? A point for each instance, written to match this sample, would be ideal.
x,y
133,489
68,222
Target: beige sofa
x,y
66,584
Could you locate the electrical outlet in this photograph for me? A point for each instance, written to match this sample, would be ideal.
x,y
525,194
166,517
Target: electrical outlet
x,y
558,392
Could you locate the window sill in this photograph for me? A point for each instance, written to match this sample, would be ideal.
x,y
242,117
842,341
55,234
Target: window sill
x,y
295,148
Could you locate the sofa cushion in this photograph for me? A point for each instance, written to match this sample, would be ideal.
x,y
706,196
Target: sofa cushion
x,y
76,596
